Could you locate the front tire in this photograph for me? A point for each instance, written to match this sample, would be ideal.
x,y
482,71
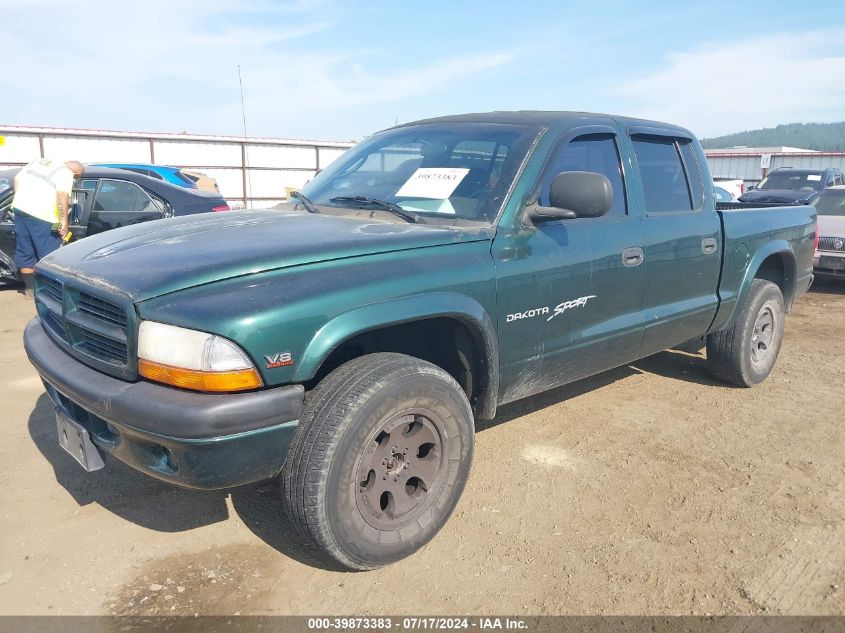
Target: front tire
x,y
745,354
379,461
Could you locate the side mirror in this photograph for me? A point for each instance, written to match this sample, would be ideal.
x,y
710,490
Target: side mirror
x,y
576,194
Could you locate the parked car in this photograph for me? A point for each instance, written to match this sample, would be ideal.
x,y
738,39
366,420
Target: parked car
x,y
174,175
788,185
105,199
829,260
734,186
435,271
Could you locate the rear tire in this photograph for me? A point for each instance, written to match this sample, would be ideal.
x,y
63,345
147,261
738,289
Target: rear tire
x,y
745,353
379,461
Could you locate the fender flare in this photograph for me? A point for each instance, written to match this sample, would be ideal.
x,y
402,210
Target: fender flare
x,y
374,316
775,247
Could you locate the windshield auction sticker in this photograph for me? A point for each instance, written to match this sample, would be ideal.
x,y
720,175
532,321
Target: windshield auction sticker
x,y
437,183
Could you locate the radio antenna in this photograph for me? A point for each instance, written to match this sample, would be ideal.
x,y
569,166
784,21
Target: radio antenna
x,y
248,179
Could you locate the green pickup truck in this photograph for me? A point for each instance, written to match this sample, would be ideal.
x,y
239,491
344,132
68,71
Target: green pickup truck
x,y
346,344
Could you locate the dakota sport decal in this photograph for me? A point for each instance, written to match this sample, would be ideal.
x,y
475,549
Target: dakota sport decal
x,y
559,309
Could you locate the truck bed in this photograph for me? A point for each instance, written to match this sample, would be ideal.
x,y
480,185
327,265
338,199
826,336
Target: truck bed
x,y
753,237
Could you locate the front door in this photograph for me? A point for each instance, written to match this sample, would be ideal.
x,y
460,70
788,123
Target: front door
x,y
570,291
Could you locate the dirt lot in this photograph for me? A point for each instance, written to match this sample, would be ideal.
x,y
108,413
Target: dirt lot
x,y
647,489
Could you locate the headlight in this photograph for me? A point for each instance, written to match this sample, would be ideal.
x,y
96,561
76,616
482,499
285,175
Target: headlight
x,y
193,360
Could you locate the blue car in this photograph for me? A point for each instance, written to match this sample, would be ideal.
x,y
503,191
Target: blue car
x,y
173,175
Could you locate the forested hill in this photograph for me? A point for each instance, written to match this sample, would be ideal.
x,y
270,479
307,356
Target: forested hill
x,y
828,137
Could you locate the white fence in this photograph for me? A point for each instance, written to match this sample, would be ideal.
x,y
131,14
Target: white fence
x,y
250,172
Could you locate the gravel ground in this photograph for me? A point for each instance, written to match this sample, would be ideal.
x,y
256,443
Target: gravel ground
x,y
650,489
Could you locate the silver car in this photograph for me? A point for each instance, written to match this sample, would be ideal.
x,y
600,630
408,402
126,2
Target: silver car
x,y
829,259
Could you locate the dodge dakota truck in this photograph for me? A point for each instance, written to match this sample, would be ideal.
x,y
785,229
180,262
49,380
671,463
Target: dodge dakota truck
x,y
345,345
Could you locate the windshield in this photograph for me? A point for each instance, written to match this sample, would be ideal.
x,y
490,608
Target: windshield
x,y
831,203
796,180
439,173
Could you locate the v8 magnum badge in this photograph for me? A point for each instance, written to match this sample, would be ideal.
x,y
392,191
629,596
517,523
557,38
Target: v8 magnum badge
x,y
282,359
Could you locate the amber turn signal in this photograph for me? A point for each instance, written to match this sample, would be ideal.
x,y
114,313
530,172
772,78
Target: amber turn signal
x,y
218,381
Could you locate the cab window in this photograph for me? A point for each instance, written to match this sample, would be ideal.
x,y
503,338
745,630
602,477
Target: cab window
x,y
591,152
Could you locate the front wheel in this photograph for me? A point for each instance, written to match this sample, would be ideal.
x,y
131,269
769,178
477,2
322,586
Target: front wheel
x,y
379,460
745,353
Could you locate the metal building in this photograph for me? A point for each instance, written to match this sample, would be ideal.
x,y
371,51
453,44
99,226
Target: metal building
x,y
747,162
249,171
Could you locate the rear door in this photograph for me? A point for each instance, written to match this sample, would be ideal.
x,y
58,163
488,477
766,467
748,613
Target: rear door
x,y
682,239
119,203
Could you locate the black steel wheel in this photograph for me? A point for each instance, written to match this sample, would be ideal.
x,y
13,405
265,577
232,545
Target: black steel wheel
x,y
379,461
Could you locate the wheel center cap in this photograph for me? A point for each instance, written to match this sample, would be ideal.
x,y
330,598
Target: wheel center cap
x,y
395,464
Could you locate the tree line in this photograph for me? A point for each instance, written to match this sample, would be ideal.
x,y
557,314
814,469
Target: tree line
x,y
825,137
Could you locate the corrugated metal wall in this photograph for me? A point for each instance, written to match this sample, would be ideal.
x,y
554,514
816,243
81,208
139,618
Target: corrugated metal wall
x,y
250,172
747,166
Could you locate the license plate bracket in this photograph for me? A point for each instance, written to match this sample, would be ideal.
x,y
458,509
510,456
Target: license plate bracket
x,y
74,438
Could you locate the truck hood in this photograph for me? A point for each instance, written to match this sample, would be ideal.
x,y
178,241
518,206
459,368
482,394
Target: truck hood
x,y
787,196
155,258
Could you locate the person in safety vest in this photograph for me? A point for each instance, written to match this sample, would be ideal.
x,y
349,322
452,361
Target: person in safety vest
x,y
40,206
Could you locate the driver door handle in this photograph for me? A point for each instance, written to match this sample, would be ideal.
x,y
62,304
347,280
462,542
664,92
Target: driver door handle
x,y
632,256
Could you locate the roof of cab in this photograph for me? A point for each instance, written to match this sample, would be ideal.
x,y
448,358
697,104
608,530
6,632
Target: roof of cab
x,y
543,118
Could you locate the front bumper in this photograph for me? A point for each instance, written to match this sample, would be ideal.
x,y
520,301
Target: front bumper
x,y
190,439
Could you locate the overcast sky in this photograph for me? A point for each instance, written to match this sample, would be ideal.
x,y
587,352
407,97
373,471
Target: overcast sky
x,y
328,69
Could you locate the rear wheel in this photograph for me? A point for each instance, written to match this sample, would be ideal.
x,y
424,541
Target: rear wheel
x,y
745,353
379,461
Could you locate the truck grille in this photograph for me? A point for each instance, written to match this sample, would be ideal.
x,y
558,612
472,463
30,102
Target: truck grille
x,y
835,244
94,329
100,309
52,288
